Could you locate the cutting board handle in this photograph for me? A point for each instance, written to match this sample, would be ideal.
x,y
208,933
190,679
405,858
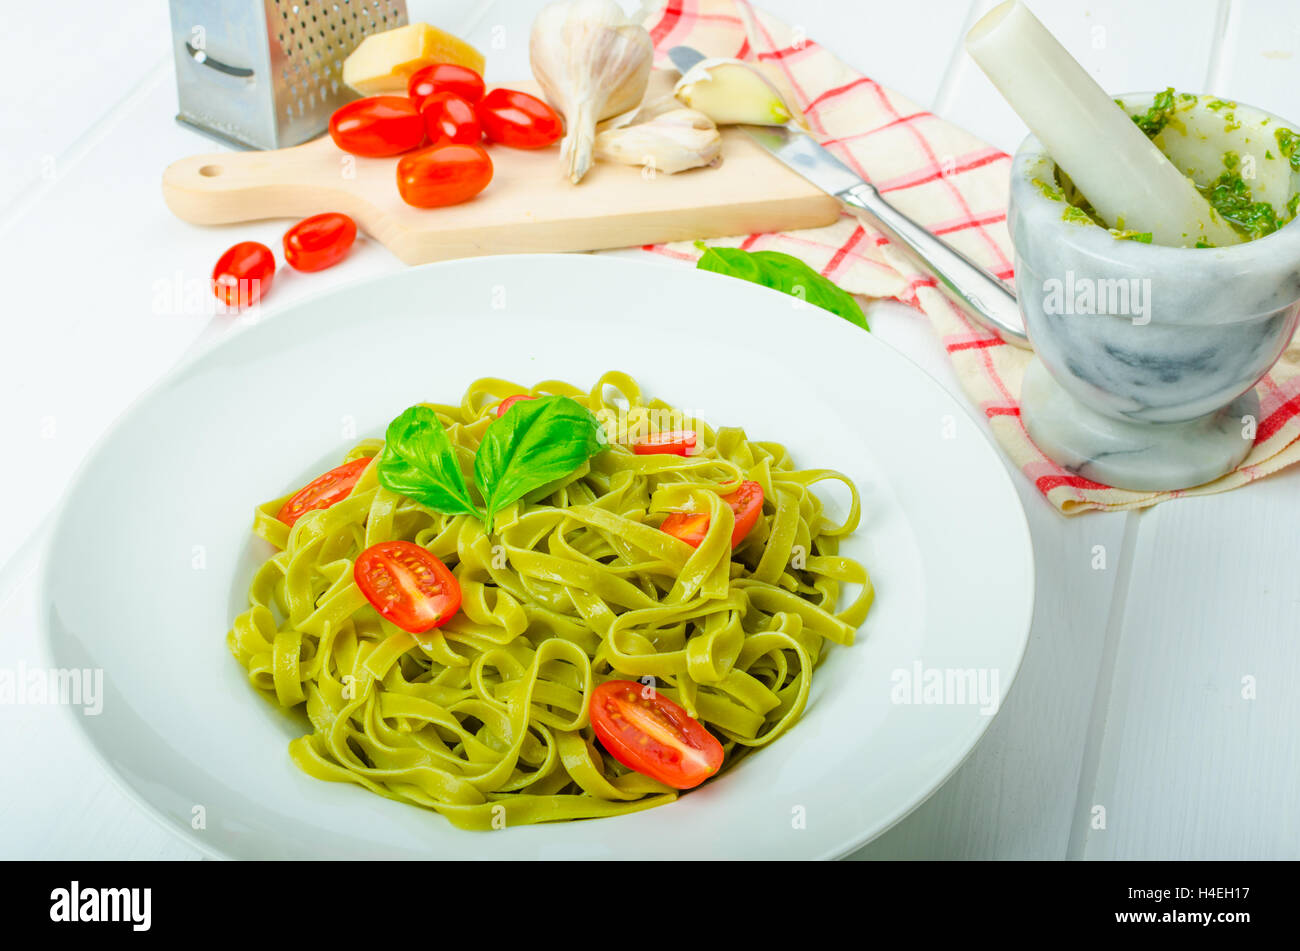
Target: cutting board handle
x,y
225,187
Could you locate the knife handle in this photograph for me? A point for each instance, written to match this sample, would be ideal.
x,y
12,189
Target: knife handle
x,y
992,304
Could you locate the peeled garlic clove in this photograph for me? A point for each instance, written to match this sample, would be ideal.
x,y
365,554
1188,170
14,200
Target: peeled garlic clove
x,y
669,142
732,92
647,111
592,63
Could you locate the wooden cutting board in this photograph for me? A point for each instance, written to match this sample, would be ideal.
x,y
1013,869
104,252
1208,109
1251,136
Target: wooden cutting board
x,y
529,206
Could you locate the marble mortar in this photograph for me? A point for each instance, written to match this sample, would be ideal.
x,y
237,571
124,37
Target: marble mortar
x,y
1147,356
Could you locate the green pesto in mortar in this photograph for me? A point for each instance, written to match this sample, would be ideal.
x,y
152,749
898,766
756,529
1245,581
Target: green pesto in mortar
x,y
1229,194
1158,116
1289,144
1080,211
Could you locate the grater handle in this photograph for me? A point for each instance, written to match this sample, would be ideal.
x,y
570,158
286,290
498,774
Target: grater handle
x,y
203,59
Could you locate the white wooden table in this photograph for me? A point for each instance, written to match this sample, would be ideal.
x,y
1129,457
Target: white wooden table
x,y
1131,694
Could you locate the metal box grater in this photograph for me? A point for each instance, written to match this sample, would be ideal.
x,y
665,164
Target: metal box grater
x,y
267,74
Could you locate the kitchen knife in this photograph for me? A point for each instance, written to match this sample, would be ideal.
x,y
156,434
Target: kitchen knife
x,y
985,297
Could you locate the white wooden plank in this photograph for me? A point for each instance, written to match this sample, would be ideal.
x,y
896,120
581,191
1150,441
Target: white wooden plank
x,y
1193,766
62,73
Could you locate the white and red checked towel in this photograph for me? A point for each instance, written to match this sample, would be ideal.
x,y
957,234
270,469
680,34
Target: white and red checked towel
x,y
955,185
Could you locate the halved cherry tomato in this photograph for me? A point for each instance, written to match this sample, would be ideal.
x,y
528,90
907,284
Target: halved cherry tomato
x,y
324,491
449,118
407,585
510,401
443,174
243,274
688,526
320,241
647,732
677,443
377,126
444,77
519,120
746,502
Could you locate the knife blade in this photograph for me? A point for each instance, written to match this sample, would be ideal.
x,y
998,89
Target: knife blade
x,y
807,157
685,58
987,298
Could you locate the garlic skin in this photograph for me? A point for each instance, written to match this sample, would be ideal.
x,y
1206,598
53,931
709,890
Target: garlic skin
x,y
731,92
592,63
669,142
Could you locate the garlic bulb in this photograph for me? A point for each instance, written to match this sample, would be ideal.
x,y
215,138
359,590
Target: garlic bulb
x,y
669,142
730,92
592,63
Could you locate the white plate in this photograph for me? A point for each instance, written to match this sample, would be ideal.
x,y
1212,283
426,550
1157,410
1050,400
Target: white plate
x,y
150,556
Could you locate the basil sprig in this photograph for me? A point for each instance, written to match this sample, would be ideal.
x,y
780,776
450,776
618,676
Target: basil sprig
x,y
783,273
419,461
535,443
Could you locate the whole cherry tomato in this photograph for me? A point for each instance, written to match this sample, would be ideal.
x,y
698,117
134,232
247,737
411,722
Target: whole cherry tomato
x,y
449,118
377,126
443,174
518,120
444,77
243,274
320,241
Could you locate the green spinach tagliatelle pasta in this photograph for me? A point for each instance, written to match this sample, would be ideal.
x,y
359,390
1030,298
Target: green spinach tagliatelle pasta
x,y
485,719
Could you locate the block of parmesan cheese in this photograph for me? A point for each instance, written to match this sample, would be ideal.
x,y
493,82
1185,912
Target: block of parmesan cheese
x,y
384,61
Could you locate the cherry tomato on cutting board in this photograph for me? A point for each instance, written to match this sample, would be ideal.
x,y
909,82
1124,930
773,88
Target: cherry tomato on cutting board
x,y
443,174
407,585
444,77
243,274
377,126
510,401
320,241
747,504
647,732
677,443
449,118
518,120
322,492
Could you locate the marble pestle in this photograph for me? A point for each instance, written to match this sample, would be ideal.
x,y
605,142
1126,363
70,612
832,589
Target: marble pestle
x,y
1125,177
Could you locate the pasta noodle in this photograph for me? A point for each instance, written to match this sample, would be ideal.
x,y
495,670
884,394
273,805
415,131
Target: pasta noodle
x,y
485,719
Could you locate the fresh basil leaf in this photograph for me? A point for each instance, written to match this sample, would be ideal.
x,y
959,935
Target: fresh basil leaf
x,y
418,461
534,443
783,273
